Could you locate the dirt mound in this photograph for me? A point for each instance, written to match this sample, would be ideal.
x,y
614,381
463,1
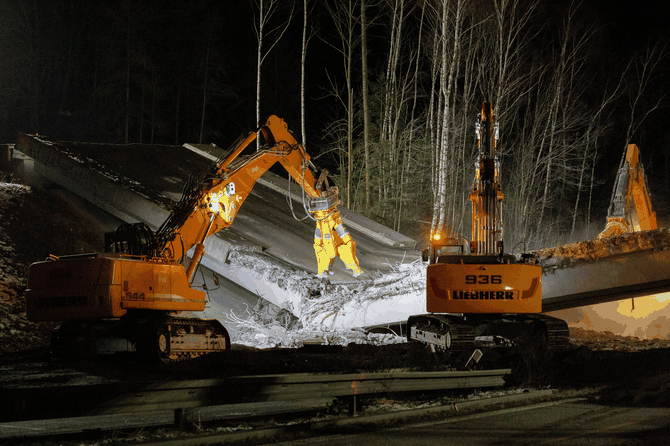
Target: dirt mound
x,y
33,224
16,332
606,340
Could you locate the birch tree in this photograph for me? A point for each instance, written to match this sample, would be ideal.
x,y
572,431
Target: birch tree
x,y
450,45
266,10
345,20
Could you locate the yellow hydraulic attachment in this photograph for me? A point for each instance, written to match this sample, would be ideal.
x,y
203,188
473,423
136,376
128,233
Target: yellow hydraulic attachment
x,y
630,207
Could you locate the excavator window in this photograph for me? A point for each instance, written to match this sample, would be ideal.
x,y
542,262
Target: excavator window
x,y
448,250
444,252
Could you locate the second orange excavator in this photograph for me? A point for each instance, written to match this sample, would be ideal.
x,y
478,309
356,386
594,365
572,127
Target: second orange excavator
x,y
475,293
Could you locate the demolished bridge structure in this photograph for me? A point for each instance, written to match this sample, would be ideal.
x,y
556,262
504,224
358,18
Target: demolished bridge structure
x,y
140,183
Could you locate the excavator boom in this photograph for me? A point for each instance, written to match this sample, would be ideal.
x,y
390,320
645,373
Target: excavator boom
x,y
214,199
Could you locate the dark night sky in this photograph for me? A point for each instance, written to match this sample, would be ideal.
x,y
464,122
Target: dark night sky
x,y
170,34
69,59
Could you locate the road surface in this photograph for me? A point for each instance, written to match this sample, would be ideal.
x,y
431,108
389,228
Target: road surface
x,y
556,423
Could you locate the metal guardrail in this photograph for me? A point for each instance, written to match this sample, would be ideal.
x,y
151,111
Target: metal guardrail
x,y
39,403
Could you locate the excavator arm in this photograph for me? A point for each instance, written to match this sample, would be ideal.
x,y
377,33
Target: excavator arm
x,y
630,208
211,200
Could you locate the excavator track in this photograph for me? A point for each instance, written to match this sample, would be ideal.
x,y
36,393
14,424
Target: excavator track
x,y
167,338
176,339
443,332
541,331
456,333
557,331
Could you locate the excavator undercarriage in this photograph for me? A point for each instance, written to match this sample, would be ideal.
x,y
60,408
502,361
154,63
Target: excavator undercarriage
x,y
159,336
465,333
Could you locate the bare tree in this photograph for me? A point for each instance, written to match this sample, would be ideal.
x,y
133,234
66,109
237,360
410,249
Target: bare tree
x,y
450,42
407,157
365,97
597,126
646,71
306,36
345,20
266,10
563,99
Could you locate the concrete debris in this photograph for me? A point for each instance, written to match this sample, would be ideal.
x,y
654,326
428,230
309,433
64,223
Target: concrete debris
x,y
319,303
606,340
565,255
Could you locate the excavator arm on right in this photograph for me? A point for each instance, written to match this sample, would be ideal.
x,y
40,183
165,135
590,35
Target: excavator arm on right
x,y
630,207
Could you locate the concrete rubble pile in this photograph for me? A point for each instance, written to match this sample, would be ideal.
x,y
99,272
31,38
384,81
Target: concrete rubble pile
x,y
607,340
565,255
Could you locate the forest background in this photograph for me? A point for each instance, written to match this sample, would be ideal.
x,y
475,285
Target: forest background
x,y
385,94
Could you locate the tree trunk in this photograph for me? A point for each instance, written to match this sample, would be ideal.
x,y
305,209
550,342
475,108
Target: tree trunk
x,y
366,107
204,98
447,74
303,58
259,61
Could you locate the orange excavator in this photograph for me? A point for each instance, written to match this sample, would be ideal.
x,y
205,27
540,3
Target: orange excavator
x,y
630,206
129,299
477,295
